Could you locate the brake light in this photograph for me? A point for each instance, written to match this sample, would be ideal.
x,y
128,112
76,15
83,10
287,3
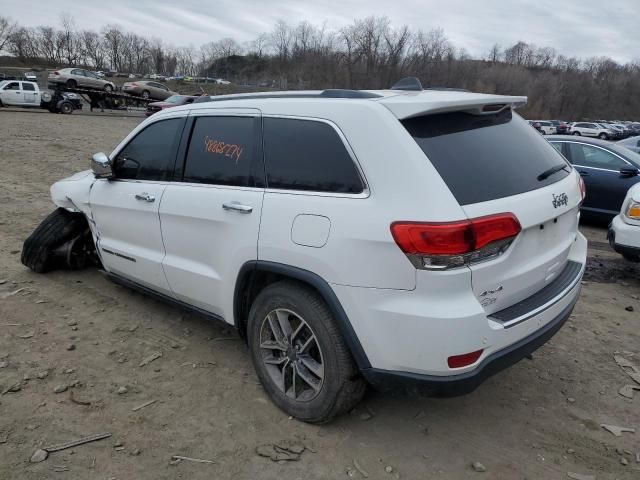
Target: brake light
x,y
464,360
583,189
438,246
56,73
133,84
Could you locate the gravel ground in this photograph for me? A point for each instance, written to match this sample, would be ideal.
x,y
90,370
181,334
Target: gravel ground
x,y
78,332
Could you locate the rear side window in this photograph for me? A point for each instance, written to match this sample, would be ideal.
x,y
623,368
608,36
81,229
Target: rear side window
x,y
308,155
151,154
221,151
589,156
485,157
29,87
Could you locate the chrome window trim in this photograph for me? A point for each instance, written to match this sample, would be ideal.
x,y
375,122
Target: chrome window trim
x,y
595,146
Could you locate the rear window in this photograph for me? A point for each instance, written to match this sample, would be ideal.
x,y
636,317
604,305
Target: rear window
x,y
485,157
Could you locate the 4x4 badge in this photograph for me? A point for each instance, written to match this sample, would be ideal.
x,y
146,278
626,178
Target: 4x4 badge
x,y
559,200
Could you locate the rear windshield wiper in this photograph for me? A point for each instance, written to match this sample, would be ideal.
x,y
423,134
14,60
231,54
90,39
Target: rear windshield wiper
x,y
547,173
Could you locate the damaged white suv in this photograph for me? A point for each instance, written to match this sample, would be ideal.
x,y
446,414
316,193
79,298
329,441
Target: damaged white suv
x,y
391,237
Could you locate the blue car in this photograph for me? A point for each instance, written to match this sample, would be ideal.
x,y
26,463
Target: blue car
x,y
608,171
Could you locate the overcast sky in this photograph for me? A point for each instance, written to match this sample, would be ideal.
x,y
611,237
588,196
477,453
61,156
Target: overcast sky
x,y
580,28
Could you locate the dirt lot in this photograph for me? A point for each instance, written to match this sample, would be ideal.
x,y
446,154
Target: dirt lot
x,y
538,420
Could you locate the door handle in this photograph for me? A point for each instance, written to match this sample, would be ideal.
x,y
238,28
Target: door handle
x,y
584,174
146,197
237,207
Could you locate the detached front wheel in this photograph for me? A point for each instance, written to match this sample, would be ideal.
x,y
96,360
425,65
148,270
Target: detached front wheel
x,y
62,239
299,354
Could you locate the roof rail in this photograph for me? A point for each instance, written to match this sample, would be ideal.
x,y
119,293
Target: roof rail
x,y
447,89
408,83
344,93
330,93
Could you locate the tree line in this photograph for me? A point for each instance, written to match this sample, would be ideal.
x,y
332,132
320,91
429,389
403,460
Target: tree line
x,y
368,53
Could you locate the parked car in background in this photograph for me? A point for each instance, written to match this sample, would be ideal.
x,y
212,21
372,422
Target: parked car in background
x,y
79,78
19,93
155,76
561,127
589,129
536,125
617,131
624,231
632,143
30,77
148,89
634,129
546,128
172,101
608,171
100,74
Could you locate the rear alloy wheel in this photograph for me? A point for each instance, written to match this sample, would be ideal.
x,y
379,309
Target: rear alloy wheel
x,y
108,88
603,136
291,353
71,83
145,95
576,133
299,354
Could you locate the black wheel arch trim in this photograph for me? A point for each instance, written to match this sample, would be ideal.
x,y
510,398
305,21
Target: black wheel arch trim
x,y
317,282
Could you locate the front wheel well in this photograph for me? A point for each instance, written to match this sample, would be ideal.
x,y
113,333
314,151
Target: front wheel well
x,y
254,276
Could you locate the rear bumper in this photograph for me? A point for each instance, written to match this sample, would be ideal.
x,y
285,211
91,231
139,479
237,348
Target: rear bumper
x,y
464,383
408,336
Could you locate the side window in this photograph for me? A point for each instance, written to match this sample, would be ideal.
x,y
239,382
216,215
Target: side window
x,y
221,151
588,156
308,155
28,87
77,71
13,86
557,146
151,154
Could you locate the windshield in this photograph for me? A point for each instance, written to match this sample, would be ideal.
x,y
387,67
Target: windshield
x,y
174,99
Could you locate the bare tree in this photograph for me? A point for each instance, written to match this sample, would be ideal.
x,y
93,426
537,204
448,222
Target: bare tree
x,y
7,27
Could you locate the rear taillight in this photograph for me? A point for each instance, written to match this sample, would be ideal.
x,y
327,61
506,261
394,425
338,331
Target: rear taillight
x,y
438,246
583,189
56,73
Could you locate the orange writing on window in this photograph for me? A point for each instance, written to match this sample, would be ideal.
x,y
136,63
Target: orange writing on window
x,y
230,150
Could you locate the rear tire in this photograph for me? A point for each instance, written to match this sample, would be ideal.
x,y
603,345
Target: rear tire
x,y
71,83
603,136
318,343
108,88
145,94
577,133
56,229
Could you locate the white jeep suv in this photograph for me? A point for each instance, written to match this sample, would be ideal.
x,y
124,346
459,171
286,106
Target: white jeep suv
x,y
392,237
